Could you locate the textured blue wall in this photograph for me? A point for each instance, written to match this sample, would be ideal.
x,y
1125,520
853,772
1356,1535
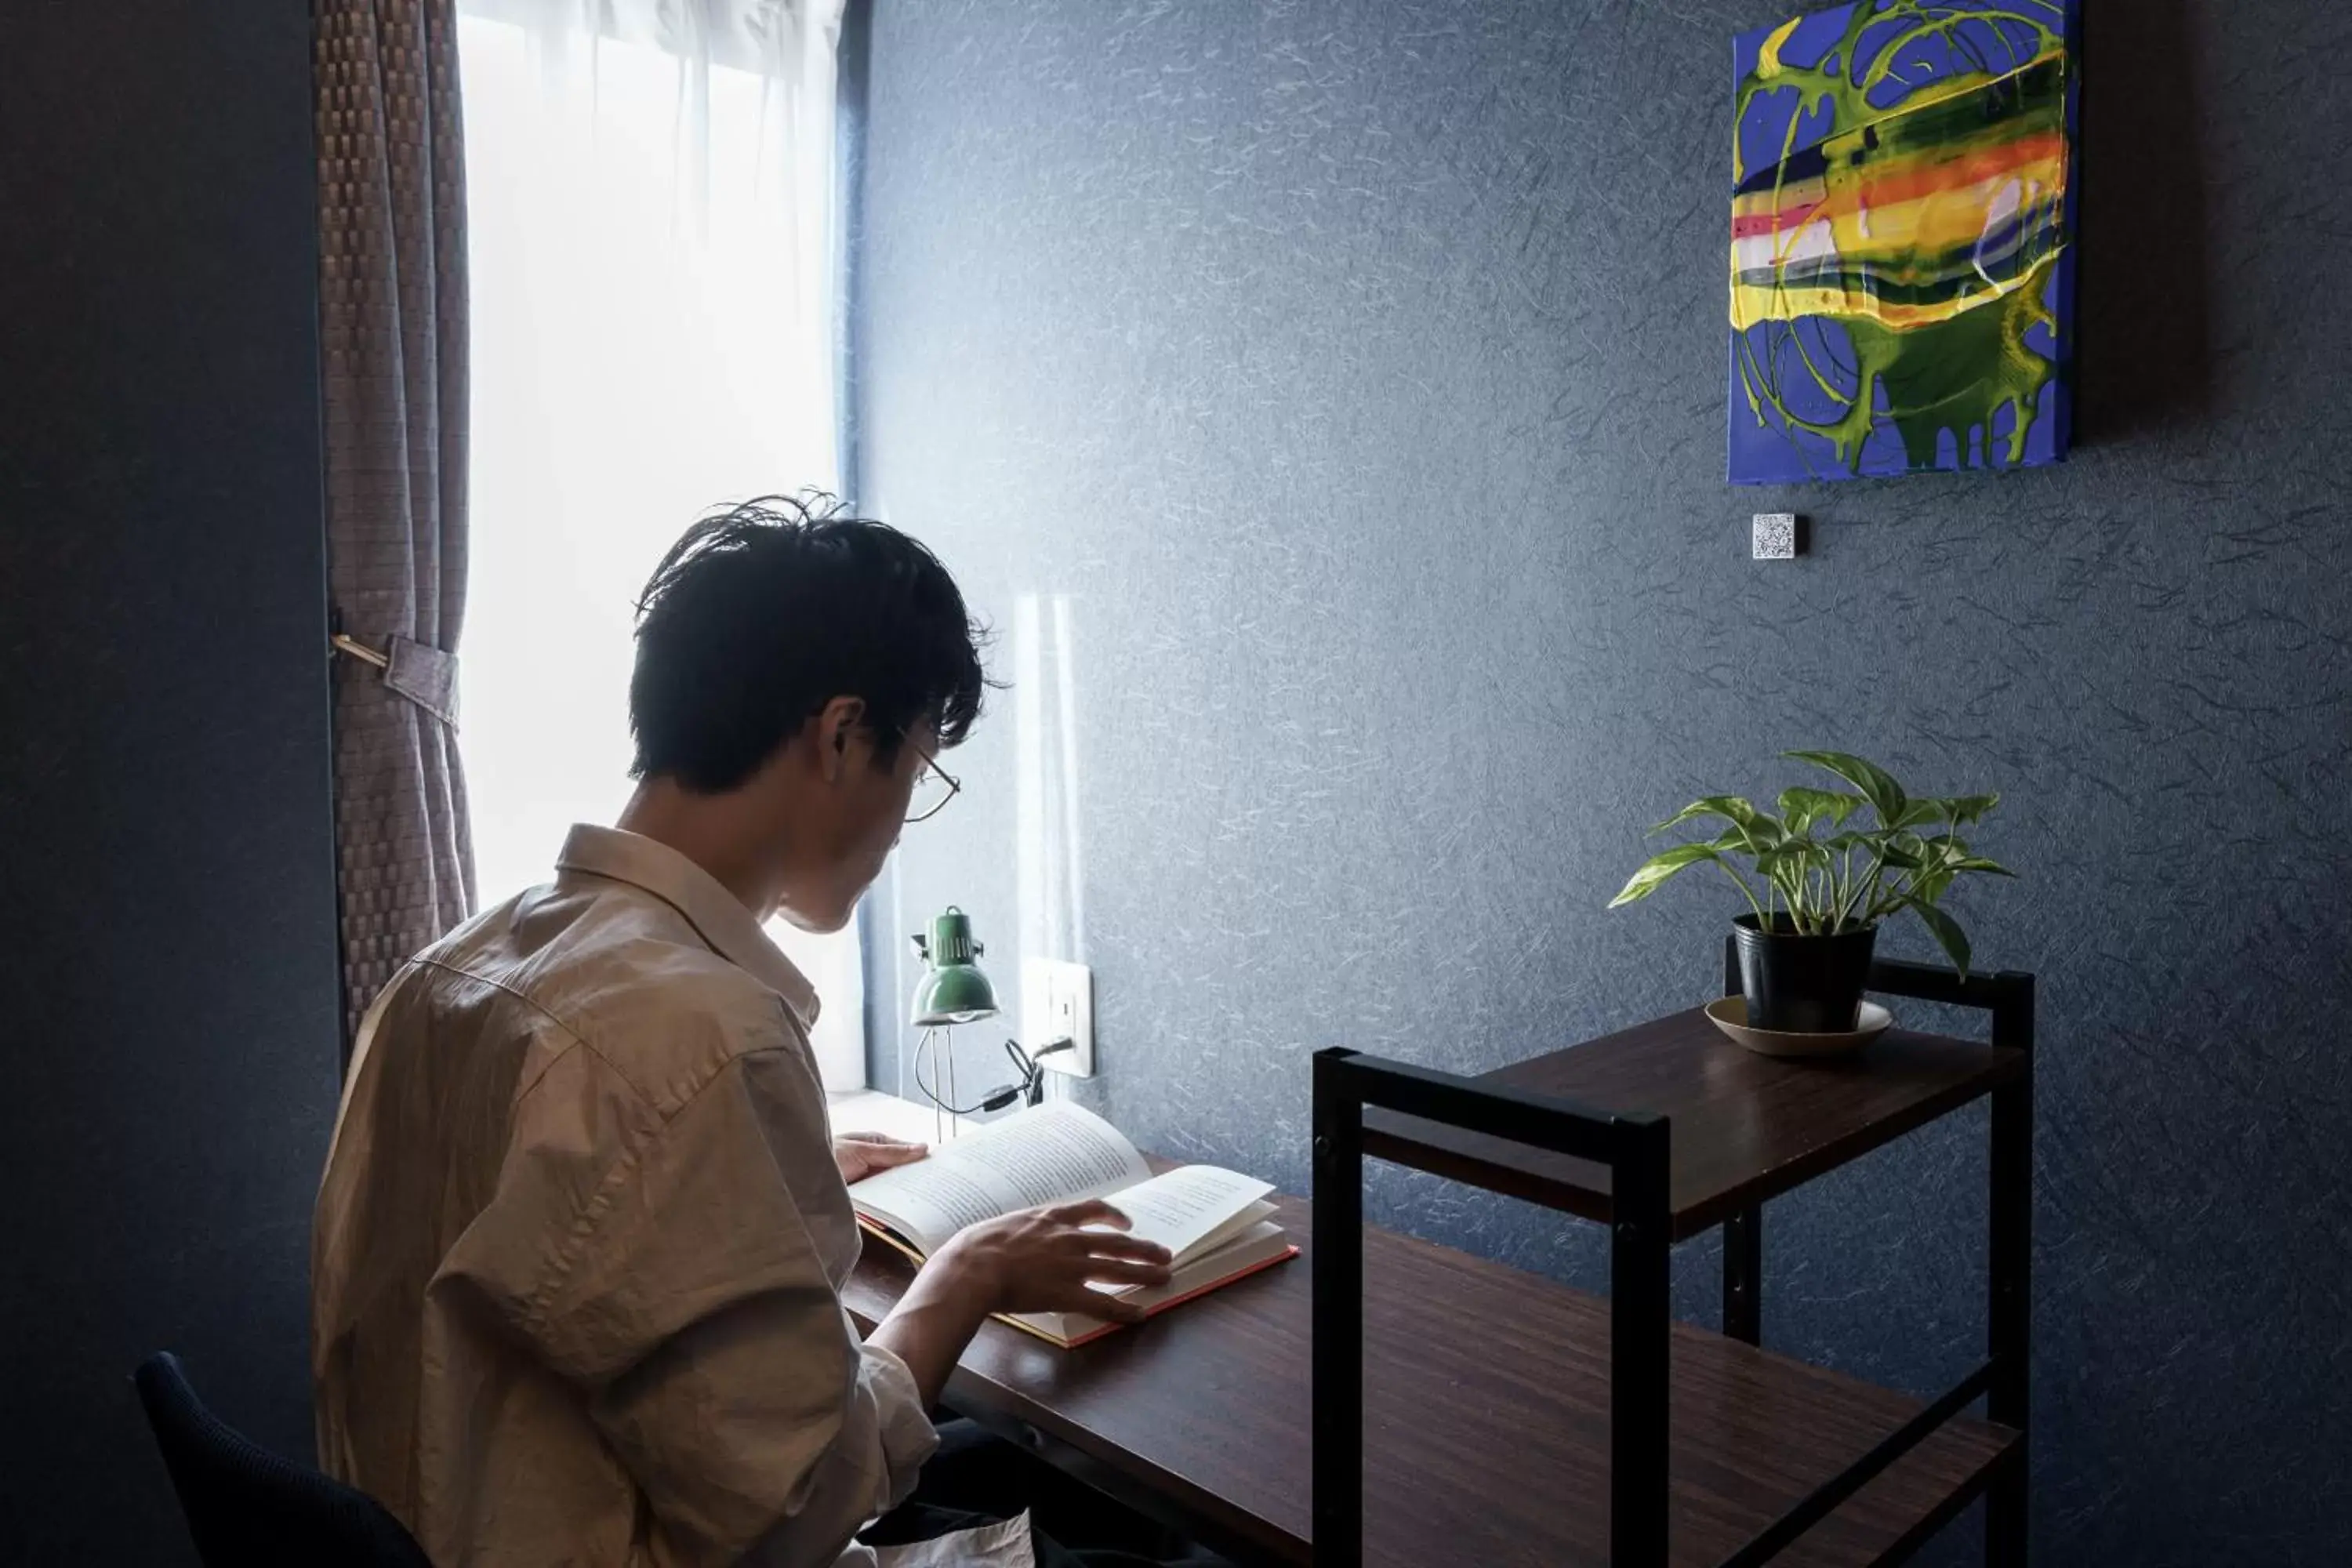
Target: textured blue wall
x,y
1357,369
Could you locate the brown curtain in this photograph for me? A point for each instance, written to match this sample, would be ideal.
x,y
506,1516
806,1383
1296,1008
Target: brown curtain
x,y
392,316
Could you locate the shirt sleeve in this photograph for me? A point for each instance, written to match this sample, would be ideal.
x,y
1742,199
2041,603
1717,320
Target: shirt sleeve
x,y
695,1306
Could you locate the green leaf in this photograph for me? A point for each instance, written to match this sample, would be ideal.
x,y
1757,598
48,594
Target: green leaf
x,y
1802,808
1966,809
1978,863
1731,807
1947,933
1655,872
1876,785
1905,851
1919,813
1939,852
1756,830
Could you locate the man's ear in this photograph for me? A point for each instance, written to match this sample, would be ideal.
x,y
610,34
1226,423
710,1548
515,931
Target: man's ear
x,y
837,722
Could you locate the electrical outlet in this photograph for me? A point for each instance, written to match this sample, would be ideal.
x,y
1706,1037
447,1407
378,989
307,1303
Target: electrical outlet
x,y
1774,536
1057,1002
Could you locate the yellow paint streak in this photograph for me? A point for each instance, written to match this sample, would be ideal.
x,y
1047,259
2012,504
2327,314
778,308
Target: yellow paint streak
x,y
1889,211
1767,59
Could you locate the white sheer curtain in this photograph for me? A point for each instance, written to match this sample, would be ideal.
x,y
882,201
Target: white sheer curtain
x,y
650,235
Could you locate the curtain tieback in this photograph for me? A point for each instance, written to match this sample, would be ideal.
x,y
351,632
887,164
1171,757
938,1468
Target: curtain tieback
x,y
425,676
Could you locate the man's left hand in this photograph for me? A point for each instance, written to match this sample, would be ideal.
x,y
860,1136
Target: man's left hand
x,y
863,1154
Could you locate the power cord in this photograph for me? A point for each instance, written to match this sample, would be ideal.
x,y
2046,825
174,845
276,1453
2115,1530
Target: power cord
x,y
1030,1088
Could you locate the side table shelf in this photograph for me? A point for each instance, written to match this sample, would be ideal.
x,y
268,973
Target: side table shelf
x,y
1662,1132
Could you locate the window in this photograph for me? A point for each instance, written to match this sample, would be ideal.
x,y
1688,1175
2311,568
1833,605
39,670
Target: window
x,y
649,246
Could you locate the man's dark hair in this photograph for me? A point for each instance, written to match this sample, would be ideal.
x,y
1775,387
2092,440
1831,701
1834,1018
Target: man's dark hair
x,y
767,611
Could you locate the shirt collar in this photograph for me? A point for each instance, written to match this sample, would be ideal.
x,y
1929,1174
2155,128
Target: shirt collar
x,y
716,914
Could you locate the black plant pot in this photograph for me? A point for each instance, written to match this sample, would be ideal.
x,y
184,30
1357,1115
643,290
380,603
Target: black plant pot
x,y
1803,985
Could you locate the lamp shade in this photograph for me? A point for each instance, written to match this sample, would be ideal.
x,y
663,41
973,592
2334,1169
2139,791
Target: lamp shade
x,y
953,989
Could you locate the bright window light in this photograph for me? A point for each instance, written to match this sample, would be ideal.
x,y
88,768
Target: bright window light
x,y
651,338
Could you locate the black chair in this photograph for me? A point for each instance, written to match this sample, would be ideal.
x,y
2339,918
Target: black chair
x,y
245,1507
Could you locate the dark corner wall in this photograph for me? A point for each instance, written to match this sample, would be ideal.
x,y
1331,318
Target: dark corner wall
x,y
168,1045
1355,368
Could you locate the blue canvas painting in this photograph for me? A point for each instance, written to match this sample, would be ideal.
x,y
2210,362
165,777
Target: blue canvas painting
x,y
1902,239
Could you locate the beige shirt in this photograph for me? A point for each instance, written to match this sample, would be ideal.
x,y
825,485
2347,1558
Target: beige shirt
x,y
577,1261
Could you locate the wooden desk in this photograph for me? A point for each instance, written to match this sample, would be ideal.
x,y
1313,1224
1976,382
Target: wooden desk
x,y
1488,1396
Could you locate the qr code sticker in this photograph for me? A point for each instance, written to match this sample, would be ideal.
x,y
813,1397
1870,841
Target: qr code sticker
x,y
1776,536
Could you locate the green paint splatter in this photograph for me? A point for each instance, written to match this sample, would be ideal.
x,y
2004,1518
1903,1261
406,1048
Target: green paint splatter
x,y
1953,375
1848,96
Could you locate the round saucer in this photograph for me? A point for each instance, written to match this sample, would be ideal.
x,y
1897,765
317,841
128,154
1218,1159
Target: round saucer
x,y
1729,1013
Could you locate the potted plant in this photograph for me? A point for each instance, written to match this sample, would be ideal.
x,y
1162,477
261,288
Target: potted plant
x,y
1818,882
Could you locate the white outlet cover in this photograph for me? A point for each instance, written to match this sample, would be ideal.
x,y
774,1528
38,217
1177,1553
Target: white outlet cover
x,y
1772,536
1058,999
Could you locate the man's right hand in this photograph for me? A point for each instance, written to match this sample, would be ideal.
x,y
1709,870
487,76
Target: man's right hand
x,y
1039,1260
1044,1259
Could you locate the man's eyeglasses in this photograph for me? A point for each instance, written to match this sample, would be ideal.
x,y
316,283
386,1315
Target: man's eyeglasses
x,y
934,787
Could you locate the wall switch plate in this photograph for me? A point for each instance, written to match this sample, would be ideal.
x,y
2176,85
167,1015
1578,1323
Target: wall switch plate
x,y
1772,536
1057,1002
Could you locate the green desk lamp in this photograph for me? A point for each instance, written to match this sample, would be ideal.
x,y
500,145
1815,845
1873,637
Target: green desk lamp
x,y
953,990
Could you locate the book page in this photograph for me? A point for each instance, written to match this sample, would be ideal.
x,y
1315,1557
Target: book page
x,y
1049,1154
1257,1246
1185,1207
1250,1219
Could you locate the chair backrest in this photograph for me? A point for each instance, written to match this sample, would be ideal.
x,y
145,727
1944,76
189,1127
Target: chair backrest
x,y
245,1507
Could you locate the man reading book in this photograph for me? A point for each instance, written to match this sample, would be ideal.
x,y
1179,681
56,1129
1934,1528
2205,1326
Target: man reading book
x,y
578,1253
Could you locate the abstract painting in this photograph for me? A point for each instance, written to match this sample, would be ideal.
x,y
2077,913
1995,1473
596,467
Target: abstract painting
x,y
1902,241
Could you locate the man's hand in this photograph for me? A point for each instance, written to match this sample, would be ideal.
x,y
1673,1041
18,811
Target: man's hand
x,y
1038,1260
1044,1260
862,1154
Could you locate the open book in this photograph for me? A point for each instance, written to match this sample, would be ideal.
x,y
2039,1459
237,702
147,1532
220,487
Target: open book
x,y
1217,1224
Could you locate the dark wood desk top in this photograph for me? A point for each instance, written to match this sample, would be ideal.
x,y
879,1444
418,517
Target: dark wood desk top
x,y
1746,1126
1488,1396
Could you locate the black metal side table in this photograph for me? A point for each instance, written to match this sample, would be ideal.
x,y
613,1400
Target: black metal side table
x,y
1663,1132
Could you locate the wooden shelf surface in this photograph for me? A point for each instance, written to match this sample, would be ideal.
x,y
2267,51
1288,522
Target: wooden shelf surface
x,y
1746,1126
1486,1394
